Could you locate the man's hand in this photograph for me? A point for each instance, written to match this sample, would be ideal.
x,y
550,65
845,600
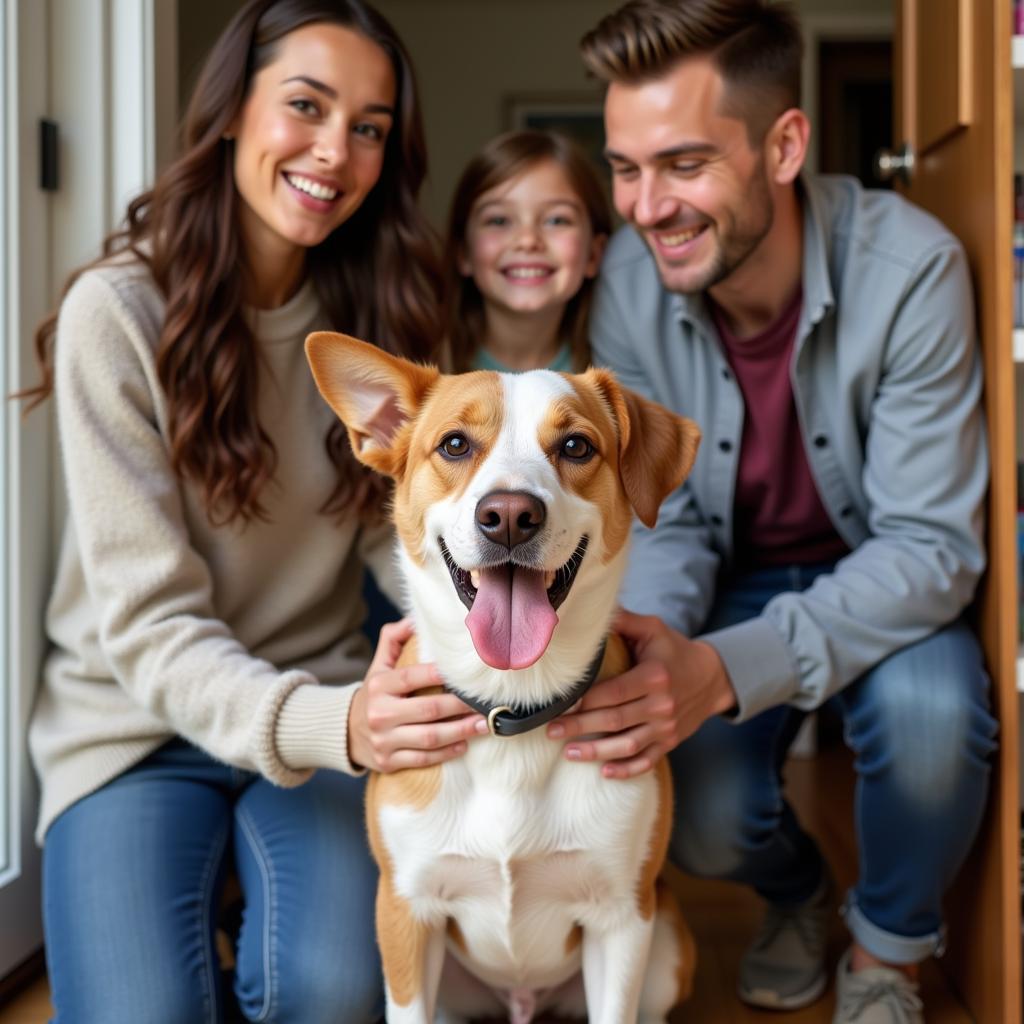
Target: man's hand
x,y
389,727
675,686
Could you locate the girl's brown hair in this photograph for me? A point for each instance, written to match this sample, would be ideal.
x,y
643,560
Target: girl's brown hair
x,y
501,159
377,275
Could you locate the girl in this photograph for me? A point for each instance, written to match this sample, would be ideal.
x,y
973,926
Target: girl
x,y
527,229
205,622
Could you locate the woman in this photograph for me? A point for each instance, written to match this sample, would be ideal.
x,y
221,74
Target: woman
x,y
210,573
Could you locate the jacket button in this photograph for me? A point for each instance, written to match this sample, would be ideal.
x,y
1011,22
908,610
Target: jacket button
x,y
726,374
725,446
845,512
716,520
821,441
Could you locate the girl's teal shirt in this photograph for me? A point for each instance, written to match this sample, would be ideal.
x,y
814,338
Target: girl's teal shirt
x,y
562,361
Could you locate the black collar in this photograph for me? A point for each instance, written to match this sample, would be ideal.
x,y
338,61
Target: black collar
x,y
504,721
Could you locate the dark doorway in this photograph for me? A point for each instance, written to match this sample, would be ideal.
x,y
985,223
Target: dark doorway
x,y
854,106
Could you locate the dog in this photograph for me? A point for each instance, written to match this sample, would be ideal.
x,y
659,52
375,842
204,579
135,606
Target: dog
x,y
512,880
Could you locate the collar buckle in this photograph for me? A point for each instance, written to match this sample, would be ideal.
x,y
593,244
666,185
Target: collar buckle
x,y
492,718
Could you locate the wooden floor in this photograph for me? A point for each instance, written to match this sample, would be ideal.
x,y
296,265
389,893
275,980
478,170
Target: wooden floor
x,y
724,917
32,1006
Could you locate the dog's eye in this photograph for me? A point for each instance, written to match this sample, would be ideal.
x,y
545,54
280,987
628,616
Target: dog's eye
x,y
454,446
577,448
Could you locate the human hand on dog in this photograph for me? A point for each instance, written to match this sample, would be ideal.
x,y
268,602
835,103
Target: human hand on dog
x,y
674,687
389,728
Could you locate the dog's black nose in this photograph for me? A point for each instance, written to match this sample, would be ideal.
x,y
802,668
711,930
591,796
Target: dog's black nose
x,y
510,517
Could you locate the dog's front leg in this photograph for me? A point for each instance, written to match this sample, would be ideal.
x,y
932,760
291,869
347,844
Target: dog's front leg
x,y
614,963
412,951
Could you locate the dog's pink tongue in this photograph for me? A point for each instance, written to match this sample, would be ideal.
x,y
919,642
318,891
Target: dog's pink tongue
x,y
511,620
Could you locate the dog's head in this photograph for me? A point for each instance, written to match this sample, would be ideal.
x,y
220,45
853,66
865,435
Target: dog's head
x,y
513,500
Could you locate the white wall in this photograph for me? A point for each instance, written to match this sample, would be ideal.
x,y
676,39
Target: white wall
x,y
471,56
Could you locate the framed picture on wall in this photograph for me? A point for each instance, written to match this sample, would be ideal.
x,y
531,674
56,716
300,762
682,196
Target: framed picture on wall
x,y
578,115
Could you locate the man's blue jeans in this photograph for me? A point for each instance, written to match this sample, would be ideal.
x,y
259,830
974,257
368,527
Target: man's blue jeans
x,y
921,733
131,878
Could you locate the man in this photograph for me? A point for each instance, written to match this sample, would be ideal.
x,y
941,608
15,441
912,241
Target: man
x,y
830,535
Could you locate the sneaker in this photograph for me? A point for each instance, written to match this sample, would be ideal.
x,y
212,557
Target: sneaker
x,y
875,995
784,967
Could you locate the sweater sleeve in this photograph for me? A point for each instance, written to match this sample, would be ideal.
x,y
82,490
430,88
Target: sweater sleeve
x,y
312,730
152,590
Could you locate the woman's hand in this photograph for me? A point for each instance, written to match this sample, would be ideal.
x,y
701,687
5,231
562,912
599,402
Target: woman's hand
x,y
388,729
674,687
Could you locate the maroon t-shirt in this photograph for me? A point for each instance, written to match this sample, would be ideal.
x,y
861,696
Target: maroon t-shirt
x,y
778,518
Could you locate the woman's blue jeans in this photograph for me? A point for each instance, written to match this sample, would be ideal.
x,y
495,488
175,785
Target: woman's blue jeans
x,y
921,733
131,882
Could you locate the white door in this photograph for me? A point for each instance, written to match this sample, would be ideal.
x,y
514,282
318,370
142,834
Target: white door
x,y
24,492
94,67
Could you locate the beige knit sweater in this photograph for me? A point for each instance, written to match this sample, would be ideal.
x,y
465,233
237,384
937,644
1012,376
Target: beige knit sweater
x,y
162,624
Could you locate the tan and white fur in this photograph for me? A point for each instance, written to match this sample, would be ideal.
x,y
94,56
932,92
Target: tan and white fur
x,y
512,879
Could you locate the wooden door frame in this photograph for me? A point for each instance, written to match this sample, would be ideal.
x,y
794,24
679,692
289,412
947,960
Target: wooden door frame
x,y
984,906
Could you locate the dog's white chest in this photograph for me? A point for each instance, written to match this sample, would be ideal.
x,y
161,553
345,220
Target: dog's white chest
x,y
519,867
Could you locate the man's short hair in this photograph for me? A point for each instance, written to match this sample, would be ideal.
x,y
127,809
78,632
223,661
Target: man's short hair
x,y
755,45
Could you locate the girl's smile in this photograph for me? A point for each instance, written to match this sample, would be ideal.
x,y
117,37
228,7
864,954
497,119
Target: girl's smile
x,y
528,273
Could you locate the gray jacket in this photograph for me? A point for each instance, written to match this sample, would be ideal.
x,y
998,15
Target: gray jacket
x,y
887,381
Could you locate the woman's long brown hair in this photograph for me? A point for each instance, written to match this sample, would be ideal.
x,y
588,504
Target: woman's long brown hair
x,y
377,275
502,159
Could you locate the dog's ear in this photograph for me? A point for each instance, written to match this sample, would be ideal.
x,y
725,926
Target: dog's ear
x,y
656,447
373,393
